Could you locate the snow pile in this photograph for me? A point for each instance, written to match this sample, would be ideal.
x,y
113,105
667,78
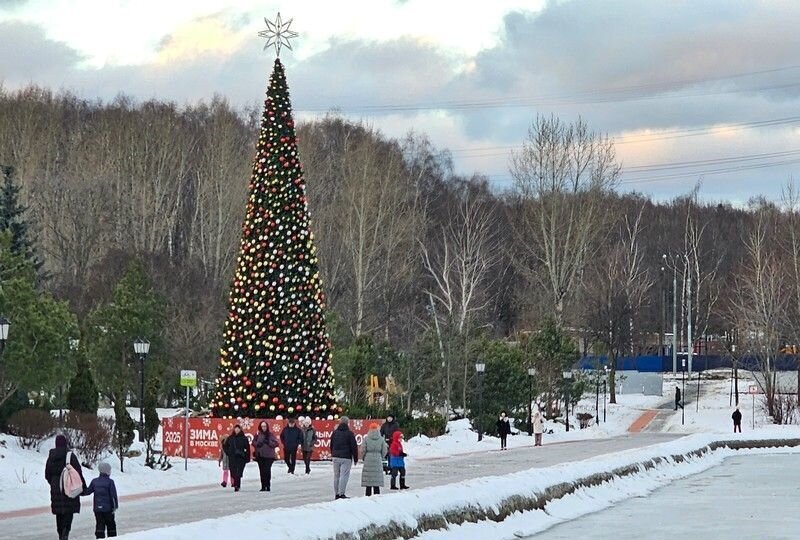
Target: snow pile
x,y
477,496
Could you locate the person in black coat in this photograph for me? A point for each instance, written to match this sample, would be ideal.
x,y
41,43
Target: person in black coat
x,y
678,398
503,429
62,506
237,447
388,428
737,420
291,438
344,450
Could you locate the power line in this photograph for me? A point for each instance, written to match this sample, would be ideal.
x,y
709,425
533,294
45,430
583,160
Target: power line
x,y
700,168
487,151
602,95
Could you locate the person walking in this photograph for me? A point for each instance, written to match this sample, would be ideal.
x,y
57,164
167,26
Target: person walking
x,y
373,449
265,444
223,461
62,505
106,501
538,427
678,398
737,420
309,440
344,450
237,448
397,460
292,439
503,429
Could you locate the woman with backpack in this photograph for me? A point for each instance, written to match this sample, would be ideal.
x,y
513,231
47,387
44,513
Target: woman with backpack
x,y
237,448
63,472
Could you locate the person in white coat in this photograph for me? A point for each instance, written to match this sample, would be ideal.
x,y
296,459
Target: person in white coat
x,y
538,427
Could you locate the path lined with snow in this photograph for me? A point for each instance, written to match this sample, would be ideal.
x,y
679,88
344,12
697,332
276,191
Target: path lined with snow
x,y
293,491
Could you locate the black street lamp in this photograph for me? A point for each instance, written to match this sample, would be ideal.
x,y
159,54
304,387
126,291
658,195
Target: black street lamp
x,y
531,375
4,327
683,391
480,368
567,380
597,398
605,380
141,347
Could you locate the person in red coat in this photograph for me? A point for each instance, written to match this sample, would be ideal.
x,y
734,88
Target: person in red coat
x,y
397,460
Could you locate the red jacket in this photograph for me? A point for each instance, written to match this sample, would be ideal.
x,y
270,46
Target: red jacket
x,y
396,448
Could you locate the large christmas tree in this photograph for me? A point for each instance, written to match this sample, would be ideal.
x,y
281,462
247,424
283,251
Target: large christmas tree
x,y
275,360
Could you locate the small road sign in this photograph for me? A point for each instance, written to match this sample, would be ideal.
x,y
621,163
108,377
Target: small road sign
x,y
188,378
753,389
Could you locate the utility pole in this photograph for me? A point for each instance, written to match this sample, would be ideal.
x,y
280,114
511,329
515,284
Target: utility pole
x,y
674,321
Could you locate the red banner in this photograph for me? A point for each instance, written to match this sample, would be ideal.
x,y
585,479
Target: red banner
x,y
205,434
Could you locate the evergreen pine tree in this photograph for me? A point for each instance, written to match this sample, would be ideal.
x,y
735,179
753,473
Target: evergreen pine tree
x,y
12,218
123,435
276,357
82,393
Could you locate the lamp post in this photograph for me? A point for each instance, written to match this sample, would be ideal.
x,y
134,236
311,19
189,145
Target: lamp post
x,y
141,347
480,368
567,379
596,398
5,324
683,391
531,375
605,380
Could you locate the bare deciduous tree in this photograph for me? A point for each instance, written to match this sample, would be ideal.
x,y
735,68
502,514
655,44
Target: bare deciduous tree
x,y
561,174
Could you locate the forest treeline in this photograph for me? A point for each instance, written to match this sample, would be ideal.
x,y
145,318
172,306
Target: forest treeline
x,y
422,266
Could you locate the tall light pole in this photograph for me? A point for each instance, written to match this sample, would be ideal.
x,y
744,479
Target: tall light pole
x,y
480,368
567,380
531,375
5,325
605,380
141,347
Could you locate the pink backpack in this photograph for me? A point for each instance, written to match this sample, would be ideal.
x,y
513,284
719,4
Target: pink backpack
x,y
71,482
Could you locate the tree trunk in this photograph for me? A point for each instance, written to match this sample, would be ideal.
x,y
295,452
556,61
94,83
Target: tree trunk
x,y
612,376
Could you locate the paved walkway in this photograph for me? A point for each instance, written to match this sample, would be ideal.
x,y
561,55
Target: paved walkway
x,y
147,511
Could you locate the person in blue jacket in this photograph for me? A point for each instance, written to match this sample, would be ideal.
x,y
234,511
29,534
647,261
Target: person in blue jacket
x,y
105,501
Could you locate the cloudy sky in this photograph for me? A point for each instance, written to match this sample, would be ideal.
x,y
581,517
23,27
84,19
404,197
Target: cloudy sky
x,y
694,90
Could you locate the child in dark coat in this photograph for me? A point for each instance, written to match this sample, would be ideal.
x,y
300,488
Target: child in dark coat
x,y
105,501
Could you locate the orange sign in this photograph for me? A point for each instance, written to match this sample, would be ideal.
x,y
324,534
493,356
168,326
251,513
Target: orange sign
x,y
205,434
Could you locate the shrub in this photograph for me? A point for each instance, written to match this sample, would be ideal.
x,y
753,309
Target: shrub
x,y
31,427
90,435
430,426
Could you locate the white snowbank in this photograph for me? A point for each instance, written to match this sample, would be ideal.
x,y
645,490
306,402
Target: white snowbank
x,y
350,515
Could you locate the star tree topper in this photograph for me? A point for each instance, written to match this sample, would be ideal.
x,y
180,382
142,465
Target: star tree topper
x,y
277,34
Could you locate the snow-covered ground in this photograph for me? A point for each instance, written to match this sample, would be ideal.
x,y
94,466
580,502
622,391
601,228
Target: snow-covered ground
x,y
460,438
19,491
22,471
337,517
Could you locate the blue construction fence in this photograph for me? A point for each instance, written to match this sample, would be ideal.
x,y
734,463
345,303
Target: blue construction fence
x,y
700,362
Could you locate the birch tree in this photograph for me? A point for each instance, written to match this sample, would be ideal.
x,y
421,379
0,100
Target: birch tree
x,y
560,175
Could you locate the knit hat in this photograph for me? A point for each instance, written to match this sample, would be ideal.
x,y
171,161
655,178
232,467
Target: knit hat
x,y
344,420
61,441
104,468
374,425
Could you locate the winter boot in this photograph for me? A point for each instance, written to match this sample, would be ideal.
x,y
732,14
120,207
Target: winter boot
x,y
403,484
394,483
